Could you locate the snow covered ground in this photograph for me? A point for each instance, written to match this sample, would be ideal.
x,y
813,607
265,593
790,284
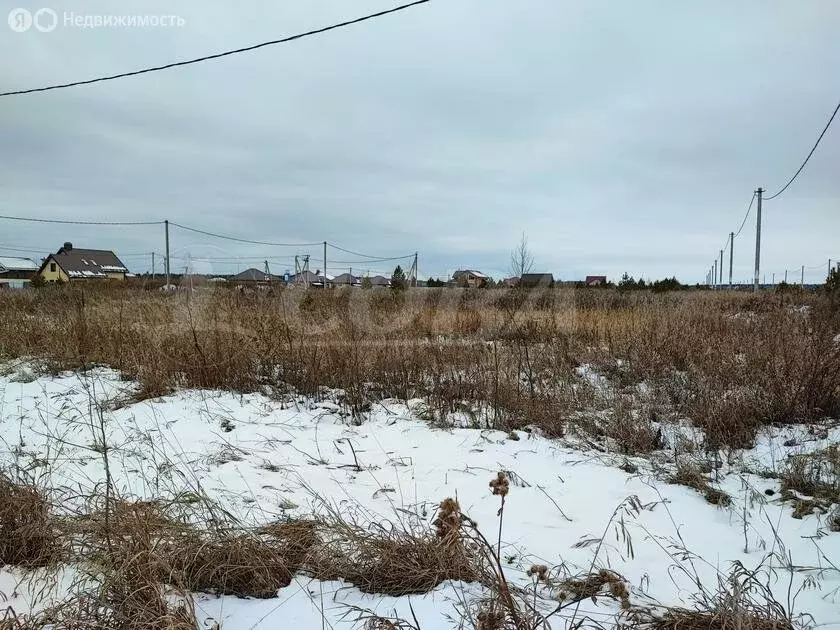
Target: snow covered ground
x,y
263,459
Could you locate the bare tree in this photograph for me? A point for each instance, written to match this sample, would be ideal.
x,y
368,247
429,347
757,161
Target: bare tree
x,y
521,258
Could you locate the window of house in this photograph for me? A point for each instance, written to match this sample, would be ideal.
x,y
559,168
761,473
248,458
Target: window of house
x,y
52,267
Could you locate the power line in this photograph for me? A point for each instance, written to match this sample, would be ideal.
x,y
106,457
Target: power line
x,y
814,148
23,250
232,261
241,240
217,55
368,256
366,262
752,199
67,222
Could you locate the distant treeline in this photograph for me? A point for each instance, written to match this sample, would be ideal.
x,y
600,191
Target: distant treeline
x,y
627,283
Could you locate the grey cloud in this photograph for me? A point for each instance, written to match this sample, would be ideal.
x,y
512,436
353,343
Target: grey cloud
x,y
619,136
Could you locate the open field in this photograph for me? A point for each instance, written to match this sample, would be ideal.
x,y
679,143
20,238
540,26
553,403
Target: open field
x,y
496,459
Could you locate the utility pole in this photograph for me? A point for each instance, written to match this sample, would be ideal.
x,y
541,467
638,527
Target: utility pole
x,y
802,280
758,192
785,276
325,264
721,267
829,268
774,278
715,273
166,226
153,265
731,247
415,270
302,270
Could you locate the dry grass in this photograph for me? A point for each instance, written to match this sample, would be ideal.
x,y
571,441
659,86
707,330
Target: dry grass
x,y
689,476
742,601
730,362
815,474
164,543
685,619
633,433
239,564
120,587
603,583
28,537
394,558
143,559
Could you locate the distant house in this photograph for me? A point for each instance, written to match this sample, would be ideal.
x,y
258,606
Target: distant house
x,y
255,275
596,281
304,278
379,281
511,282
320,280
70,263
469,278
15,273
345,280
532,280
309,279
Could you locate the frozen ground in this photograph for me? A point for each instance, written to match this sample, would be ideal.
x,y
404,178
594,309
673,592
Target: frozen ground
x,y
263,460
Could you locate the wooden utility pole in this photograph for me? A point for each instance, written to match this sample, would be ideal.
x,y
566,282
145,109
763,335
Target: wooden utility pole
x,y
731,247
166,227
758,192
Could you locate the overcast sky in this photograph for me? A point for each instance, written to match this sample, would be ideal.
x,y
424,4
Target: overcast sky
x,y
620,136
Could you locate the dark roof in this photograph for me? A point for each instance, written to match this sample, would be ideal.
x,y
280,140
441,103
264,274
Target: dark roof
x,y
596,279
346,278
379,281
255,275
87,263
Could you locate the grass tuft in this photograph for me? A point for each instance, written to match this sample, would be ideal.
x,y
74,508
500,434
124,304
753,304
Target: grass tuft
x,y
689,476
28,537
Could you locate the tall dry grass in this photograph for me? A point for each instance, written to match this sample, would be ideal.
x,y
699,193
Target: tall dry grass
x,y
730,362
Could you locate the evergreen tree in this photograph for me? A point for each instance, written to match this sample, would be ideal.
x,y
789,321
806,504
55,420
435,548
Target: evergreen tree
x,y
627,283
832,283
398,281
